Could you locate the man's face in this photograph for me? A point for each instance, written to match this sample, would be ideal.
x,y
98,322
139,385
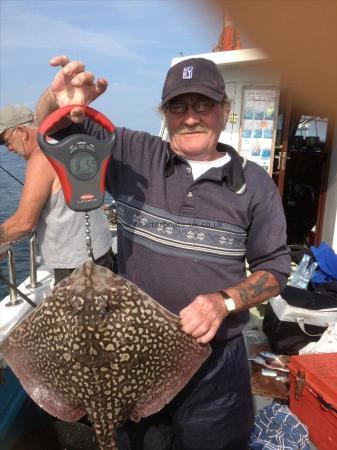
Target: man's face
x,y
194,133
15,140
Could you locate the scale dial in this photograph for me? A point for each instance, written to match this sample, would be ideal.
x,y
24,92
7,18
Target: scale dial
x,y
83,165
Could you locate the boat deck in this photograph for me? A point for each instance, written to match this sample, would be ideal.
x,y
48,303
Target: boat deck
x,y
11,314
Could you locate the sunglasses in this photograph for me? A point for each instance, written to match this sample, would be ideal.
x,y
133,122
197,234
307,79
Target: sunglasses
x,y
6,141
201,106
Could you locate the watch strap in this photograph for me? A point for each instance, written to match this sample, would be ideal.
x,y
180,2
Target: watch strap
x,y
228,301
224,295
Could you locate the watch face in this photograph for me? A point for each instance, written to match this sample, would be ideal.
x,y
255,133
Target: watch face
x,y
230,304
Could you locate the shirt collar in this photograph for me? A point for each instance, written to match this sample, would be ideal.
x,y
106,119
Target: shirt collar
x,y
231,174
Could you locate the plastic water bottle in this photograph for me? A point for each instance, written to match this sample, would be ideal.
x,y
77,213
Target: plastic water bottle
x,y
301,277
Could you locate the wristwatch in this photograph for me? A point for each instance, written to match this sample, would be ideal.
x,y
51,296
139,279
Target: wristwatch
x,y
229,302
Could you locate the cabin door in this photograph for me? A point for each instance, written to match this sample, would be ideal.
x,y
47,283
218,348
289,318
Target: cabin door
x,y
300,171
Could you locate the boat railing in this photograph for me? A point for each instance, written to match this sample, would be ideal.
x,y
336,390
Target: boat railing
x,y
8,249
32,262
111,214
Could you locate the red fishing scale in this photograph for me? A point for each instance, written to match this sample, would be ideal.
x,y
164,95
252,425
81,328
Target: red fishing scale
x,y
80,162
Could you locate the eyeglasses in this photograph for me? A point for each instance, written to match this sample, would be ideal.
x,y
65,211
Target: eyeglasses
x,y
201,106
6,141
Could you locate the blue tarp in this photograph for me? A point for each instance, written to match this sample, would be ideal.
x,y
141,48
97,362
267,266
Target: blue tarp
x,y
326,259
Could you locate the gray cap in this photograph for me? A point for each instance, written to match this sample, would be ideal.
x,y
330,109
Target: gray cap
x,y
13,115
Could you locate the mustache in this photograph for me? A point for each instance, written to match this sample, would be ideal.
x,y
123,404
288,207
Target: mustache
x,y
194,129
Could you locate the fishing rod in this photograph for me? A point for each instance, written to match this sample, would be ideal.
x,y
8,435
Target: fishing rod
x,y
11,175
12,286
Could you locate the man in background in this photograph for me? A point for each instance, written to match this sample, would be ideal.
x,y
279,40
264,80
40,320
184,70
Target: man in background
x,y
60,231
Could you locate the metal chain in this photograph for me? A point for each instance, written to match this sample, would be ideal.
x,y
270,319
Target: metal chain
x,y
88,235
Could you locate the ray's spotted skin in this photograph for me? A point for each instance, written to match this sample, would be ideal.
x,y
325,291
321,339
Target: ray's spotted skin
x,y
101,346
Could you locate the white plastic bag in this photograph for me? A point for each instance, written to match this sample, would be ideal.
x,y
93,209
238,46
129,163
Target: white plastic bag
x,y
289,313
326,344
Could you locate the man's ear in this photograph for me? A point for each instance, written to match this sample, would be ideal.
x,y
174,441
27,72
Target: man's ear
x,y
227,110
23,131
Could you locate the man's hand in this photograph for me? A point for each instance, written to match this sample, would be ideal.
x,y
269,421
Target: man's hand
x,y
203,317
73,85
3,250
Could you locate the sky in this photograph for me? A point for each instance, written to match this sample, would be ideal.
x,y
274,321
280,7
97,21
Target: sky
x,y
130,42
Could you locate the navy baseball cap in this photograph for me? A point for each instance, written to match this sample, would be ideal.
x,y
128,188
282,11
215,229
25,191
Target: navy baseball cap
x,y
194,75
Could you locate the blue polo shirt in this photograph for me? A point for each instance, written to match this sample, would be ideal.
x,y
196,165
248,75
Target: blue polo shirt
x,y
179,237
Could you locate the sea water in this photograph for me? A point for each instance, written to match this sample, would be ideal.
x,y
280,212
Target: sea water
x,y
10,192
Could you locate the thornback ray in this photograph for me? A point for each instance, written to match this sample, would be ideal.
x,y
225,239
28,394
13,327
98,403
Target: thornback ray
x,y
99,345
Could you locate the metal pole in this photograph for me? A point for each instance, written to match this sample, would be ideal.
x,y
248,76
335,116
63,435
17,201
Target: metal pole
x,y
12,278
24,296
32,262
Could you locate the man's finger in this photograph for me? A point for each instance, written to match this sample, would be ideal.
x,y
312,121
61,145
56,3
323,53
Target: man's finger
x,y
190,310
73,68
77,115
190,326
60,60
206,338
83,78
101,85
3,250
201,330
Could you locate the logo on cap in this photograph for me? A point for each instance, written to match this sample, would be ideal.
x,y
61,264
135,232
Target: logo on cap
x,y
188,73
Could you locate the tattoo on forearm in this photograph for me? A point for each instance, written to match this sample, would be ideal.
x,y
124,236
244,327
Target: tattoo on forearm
x,y
261,289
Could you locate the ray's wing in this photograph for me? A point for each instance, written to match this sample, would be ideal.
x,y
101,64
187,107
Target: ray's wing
x,y
100,345
34,351
166,357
